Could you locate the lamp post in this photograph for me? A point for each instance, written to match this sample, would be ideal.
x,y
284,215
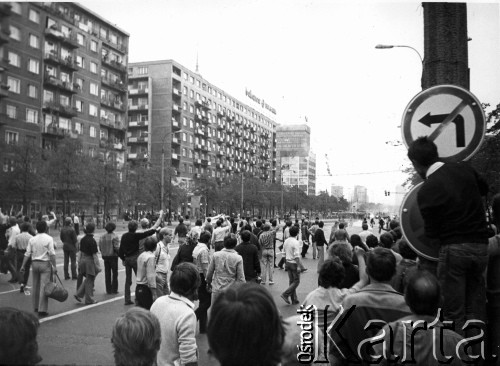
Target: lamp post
x,y
387,46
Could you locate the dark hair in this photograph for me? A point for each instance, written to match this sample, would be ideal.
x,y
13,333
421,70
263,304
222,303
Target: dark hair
x,y
289,223
110,227
258,223
245,327
24,227
356,241
381,264
331,273
234,227
132,226
245,235
90,228
342,251
230,242
247,227
198,222
41,226
185,279
364,226
219,222
136,338
393,224
321,224
187,217
294,230
273,222
423,293
386,240
406,250
341,225
204,237
181,220
18,344
150,244
372,241
423,151
209,219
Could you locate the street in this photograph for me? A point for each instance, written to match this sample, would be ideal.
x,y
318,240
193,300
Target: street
x,y
74,333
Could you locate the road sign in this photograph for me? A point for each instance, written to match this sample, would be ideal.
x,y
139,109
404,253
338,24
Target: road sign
x,y
412,225
450,116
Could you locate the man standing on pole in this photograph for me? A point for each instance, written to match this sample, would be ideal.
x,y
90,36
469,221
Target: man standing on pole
x,y
450,202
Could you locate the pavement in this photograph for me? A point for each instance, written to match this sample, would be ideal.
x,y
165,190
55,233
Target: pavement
x,y
78,334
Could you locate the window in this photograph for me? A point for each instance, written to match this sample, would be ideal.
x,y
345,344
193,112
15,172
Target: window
x,y
33,66
31,115
79,82
92,131
191,169
191,80
190,139
80,39
191,109
93,46
14,85
11,137
142,70
92,110
184,137
197,83
190,123
34,41
64,100
94,89
11,111
16,8
79,105
191,154
64,123
8,165
32,91
93,67
184,121
185,91
78,128
34,16
191,94
14,59
65,77
184,106
15,33
48,96
80,61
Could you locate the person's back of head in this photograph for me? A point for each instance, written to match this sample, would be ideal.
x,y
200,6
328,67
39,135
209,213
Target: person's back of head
x,y
274,223
132,226
245,236
205,237
342,251
181,220
144,223
331,273
294,230
356,241
136,338
245,327
316,222
266,227
393,224
341,226
41,227
230,242
209,219
198,222
68,221
150,244
219,223
381,264
423,293
386,240
187,217
90,228
185,280
18,343
371,241
24,227
247,227
406,250
110,227
321,224
423,151
364,227
289,223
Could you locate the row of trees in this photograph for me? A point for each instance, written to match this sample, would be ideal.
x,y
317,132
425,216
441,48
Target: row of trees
x,y
74,181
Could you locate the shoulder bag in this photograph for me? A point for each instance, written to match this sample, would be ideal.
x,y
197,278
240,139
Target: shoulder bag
x,y
54,290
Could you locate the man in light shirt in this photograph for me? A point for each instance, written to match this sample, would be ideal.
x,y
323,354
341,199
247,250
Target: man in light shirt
x,y
220,233
20,245
177,318
292,264
365,233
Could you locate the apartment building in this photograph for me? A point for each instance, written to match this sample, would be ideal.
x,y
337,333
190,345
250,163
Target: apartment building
x,y
65,75
197,127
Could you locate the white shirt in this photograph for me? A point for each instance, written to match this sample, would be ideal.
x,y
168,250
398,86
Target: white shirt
x,y
11,234
162,261
292,249
76,220
40,247
220,233
364,234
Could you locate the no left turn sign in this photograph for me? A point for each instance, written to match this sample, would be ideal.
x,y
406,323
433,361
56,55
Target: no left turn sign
x,y
450,116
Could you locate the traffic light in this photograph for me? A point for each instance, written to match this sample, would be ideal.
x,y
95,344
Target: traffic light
x,y
387,193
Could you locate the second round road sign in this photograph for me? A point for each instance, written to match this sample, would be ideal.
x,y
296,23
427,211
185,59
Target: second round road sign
x,y
450,116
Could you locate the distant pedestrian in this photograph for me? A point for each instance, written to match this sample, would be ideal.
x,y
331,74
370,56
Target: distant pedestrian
x,y
69,239
181,232
145,291
292,264
201,259
249,253
20,246
162,259
76,223
109,245
319,238
87,267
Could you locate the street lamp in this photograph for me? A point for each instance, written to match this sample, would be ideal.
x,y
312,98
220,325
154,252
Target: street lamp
x,y
387,46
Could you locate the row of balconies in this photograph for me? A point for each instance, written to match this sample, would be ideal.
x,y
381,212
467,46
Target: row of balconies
x,y
67,62
111,143
55,130
112,103
116,84
138,91
62,109
138,107
138,123
114,64
66,86
68,39
118,125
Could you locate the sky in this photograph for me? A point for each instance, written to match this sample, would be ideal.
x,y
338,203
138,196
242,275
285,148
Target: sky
x,y
313,59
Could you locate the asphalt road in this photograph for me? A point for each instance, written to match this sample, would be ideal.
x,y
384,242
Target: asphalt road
x,y
79,334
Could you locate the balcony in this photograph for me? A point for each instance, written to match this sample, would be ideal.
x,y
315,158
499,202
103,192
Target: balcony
x,y
205,162
115,84
138,123
219,166
66,86
175,124
175,156
229,168
117,125
54,130
238,122
197,146
67,62
176,108
237,158
175,141
253,162
138,91
138,139
138,107
141,155
220,113
176,92
220,152
63,110
118,47
264,177
199,132
67,39
246,136
220,140
114,64
220,126
197,161
197,175
111,144
205,148
112,104
5,9
238,132
245,148
253,151
246,126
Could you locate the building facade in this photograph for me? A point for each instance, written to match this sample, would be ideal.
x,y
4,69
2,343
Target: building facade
x,y
66,76
296,161
196,127
360,196
337,191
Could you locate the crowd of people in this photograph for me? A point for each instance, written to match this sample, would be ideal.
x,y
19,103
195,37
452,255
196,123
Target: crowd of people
x,y
378,300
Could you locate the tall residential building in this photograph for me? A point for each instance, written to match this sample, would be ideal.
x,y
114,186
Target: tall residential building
x,y
360,196
337,191
296,162
199,127
66,76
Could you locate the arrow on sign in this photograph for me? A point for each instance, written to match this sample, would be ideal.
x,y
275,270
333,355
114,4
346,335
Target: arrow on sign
x,y
429,120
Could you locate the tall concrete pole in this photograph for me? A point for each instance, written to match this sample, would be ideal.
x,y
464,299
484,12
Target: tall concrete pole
x,y
445,45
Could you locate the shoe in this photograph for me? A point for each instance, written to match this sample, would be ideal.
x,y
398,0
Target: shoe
x,y
263,283
67,278
78,299
21,290
271,283
92,302
295,302
280,267
275,266
304,270
114,292
43,314
285,299
129,302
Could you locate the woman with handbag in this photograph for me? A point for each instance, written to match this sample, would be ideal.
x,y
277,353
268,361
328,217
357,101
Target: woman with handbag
x,y
162,258
41,250
88,266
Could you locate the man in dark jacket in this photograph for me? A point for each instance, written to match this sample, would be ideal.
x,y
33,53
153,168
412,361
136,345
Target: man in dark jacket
x,y
69,239
248,251
319,238
450,201
129,251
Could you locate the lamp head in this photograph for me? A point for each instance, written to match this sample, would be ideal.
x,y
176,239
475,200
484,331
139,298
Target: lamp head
x,y
383,46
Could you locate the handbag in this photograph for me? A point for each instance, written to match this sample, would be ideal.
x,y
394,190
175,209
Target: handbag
x,y
97,264
55,291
